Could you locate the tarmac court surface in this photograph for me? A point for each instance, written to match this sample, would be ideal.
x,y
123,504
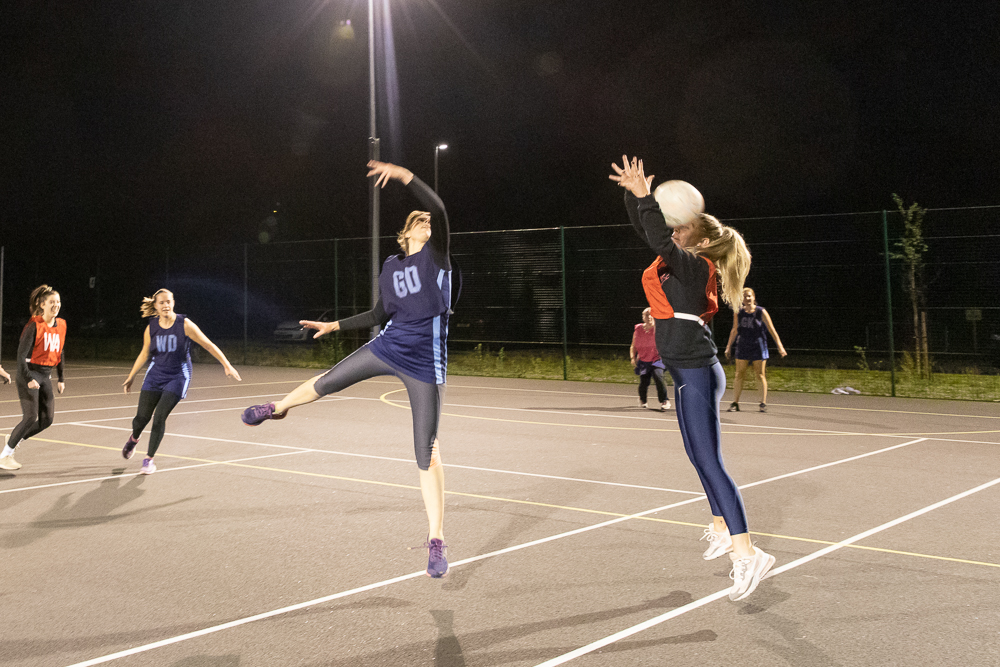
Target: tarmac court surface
x,y
573,520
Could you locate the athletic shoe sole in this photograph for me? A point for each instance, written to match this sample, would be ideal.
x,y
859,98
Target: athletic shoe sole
x,y
760,574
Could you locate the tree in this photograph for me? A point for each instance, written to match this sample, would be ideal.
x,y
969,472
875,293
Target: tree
x,y
911,248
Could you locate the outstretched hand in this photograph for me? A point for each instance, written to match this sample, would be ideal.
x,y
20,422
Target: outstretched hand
x,y
322,328
632,177
387,170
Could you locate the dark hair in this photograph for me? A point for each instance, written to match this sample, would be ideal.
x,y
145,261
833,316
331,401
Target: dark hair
x,y
38,297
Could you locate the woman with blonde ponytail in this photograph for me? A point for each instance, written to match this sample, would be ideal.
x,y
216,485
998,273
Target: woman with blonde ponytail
x,y
166,344
696,262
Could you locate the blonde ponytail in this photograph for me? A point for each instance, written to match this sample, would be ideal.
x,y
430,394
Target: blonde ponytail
x,y
148,308
38,297
728,251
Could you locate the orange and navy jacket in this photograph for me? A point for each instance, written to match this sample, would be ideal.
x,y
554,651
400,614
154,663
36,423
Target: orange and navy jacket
x,y
41,345
677,282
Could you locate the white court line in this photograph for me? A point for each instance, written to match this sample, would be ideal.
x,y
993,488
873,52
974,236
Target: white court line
x,y
90,424
133,474
381,584
362,589
133,406
628,632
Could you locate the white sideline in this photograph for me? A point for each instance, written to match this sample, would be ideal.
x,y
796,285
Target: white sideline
x,y
413,575
133,474
628,632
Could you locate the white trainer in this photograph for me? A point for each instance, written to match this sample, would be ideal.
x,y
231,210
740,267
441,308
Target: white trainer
x,y
747,573
718,543
664,406
8,463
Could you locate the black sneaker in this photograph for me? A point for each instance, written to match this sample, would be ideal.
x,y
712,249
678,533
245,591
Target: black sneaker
x,y
129,449
734,407
763,407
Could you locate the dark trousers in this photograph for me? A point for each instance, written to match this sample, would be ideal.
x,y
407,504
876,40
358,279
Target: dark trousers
x,y
37,407
656,375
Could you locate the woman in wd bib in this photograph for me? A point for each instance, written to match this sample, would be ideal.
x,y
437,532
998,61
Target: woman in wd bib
x,y
38,352
698,261
167,340
413,305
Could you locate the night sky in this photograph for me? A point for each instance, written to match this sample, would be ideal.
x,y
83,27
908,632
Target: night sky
x,y
136,124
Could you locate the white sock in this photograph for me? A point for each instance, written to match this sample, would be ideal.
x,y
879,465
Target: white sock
x,y
7,451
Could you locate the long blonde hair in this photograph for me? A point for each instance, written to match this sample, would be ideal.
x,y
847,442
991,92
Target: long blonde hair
x,y
728,251
38,297
411,220
148,307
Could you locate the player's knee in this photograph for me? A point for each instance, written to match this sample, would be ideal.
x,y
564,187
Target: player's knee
x,y
435,455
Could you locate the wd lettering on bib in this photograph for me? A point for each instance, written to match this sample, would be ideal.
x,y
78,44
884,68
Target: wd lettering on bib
x,y
166,343
406,281
51,342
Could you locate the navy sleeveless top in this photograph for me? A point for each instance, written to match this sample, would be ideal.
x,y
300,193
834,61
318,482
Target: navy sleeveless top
x,y
169,349
416,295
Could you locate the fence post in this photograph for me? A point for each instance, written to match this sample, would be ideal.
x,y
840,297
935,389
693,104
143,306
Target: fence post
x,y
562,263
246,302
888,302
336,297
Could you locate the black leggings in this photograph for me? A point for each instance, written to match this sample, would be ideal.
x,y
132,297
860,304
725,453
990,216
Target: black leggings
x,y
155,405
425,398
661,388
37,406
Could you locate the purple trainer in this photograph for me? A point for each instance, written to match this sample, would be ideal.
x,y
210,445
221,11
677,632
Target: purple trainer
x,y
257,414
437,564
129,449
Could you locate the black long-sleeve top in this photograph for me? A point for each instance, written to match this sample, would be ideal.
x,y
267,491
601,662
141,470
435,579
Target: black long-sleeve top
x,y
688,285
439,245
24,349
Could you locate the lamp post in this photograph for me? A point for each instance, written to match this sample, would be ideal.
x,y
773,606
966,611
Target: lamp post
x,y
373,154
437,149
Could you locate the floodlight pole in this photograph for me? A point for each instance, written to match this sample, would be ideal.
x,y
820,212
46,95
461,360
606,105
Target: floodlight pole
x,y
437,149
373,154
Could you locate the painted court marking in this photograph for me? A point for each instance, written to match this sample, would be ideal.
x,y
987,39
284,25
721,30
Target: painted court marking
x,y
568,656
238,463
628,632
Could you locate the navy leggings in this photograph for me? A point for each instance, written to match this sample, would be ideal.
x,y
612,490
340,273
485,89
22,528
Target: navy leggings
x,y
697,394
425,398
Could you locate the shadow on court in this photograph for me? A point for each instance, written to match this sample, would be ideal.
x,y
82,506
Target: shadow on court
x,y
453,650
94,508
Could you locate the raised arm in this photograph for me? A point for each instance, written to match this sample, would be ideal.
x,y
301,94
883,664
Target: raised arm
x,y
774,333
682,263
192,331
440,241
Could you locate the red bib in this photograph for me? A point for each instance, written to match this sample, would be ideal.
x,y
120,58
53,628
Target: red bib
x,y
49,342
659,306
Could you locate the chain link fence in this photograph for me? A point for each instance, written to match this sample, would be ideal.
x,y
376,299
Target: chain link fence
x,y
836,301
